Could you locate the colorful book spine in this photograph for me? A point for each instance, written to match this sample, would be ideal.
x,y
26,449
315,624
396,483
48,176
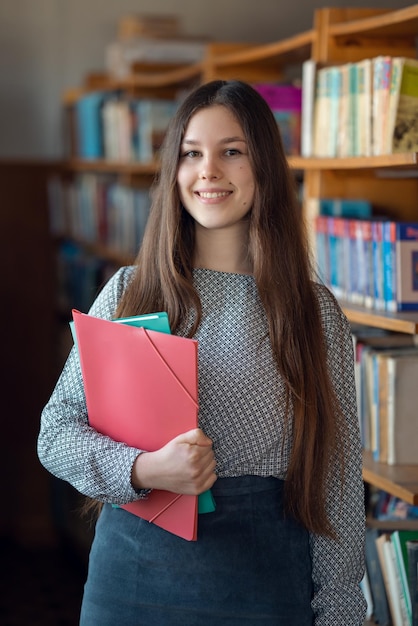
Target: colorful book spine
x,y
285,100
406,266
89,128
389,247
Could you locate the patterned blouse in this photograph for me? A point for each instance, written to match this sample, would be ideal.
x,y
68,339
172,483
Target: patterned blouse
x,y
238,409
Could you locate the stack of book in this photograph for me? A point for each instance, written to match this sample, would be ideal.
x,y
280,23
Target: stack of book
x,y
363,108
112,126
390,582
100,210
372,262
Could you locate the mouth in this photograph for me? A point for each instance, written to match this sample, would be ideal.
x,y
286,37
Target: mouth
x,y
211,195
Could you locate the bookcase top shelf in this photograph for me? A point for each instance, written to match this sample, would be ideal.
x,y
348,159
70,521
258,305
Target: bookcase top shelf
x,y
296,48
387,22
400,481
404,322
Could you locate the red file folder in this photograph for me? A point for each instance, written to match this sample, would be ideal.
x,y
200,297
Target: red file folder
x,y
141,388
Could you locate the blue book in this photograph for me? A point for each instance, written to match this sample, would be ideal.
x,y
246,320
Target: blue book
x,y
89,126
389,265
345,207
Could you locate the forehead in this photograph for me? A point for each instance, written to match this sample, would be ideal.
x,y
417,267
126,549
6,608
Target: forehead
x,y
213,122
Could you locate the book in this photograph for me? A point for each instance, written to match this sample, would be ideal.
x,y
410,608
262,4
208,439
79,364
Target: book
x,y
402,130
406,251
334,90
377,585
389,265
412,554
378,265
353,110
152,119
343,143
89,129
307,107
345,207
367,592
285,100
401,408
382,67
394,90
364,107
141,388
321,112
386,560
399,540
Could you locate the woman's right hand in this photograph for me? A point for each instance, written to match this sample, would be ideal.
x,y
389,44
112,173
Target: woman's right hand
x,y
185,465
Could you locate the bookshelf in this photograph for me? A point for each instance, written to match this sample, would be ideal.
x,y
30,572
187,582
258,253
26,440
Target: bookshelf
x,y
338,35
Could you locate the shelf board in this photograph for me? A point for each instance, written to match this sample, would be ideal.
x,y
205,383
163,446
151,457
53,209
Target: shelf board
x,y
392,524
149,77
399,160
100,250
400,481
402,322
384,162
297,47
117,167
400,22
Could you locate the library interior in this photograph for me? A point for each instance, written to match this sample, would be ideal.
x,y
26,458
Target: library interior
x,y
88,91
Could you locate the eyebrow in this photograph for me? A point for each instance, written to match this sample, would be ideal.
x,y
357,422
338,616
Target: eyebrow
x,y
194,142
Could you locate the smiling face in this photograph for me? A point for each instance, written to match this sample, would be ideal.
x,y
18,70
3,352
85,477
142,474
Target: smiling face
x,y
214,178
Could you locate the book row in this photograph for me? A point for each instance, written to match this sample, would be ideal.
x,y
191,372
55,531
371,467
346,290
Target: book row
x,y
98,209
386,370
363,108
371,262
115,126
79,276
390,581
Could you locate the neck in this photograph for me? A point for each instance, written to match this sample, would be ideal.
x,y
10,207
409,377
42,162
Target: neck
x,y
223,250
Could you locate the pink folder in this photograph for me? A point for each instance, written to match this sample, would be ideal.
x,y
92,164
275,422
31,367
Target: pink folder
x,y
141,388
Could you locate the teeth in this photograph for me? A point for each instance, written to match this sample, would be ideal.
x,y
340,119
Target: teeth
x,y
206,194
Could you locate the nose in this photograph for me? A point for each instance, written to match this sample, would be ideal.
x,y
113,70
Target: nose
x,y
210,169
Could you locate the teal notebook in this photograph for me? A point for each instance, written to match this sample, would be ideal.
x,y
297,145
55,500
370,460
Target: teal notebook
x,y
159,322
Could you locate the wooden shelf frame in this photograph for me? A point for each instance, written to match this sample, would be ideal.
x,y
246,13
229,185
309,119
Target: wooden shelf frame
x,y
399,480
396,322
384,22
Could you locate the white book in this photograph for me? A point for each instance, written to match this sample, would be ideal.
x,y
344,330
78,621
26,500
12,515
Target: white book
x,y
308,101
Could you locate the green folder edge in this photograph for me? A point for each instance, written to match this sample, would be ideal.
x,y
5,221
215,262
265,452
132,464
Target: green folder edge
x,y
159,322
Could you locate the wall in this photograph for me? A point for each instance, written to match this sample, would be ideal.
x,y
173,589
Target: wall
x,y
49,45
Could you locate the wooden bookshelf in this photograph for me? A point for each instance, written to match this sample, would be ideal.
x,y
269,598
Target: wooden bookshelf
x,y
389,182
399,480
397,322
399,161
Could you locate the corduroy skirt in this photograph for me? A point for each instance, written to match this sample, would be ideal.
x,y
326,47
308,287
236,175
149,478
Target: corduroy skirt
x,y
250,565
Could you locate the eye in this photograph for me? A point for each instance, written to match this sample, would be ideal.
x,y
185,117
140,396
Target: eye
x,y
232,152
191,154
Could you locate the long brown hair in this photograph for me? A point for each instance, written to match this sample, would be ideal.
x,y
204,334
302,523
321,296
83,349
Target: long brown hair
x,y
279,252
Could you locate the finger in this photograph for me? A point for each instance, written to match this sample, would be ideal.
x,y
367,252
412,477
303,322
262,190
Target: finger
x,y
194,437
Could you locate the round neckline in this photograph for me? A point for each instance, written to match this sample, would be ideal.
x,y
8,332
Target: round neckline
x,y
222,272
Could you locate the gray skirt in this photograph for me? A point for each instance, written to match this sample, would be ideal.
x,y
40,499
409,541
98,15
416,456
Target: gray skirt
x,y
250,565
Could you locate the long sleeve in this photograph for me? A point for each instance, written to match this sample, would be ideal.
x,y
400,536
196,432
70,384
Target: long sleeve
x,y
338,565
68,448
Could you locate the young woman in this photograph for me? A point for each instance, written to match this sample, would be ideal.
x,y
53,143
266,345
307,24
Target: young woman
x,y
225,254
